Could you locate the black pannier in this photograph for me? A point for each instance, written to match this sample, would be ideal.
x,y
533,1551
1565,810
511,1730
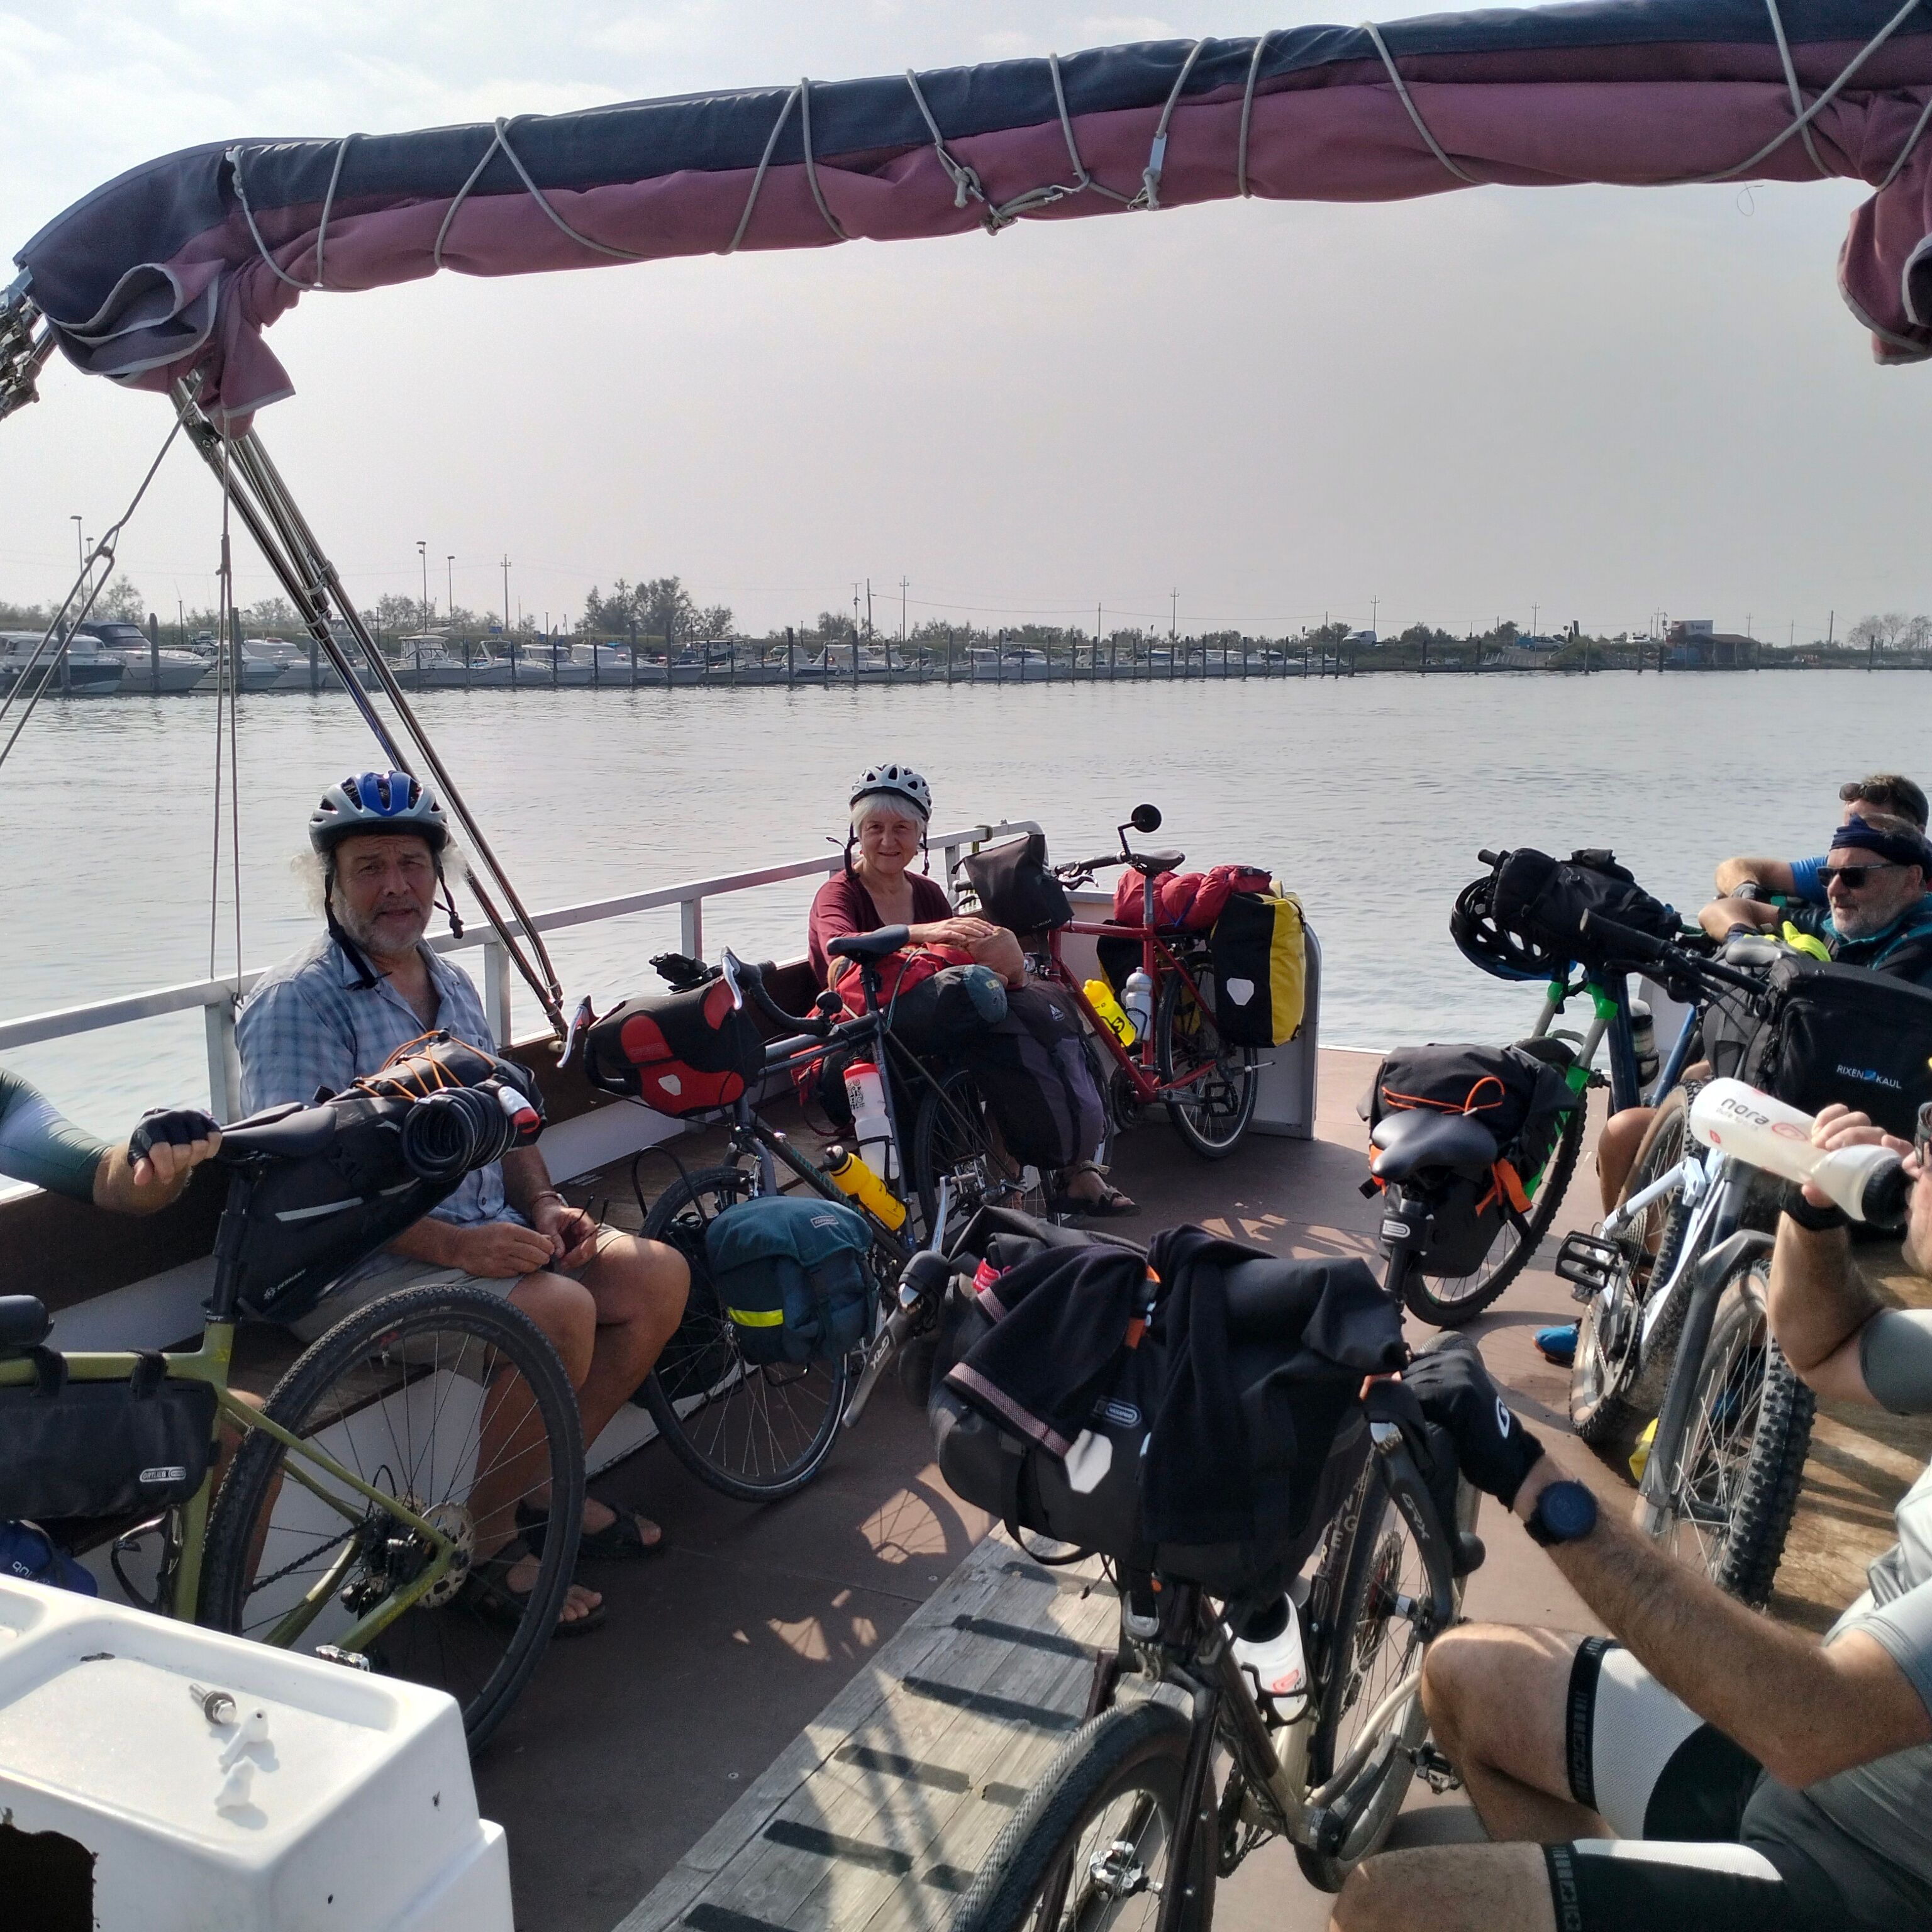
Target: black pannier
x,y
1522,1099
1544,899
682,1053
99,1449
1015,886
1837,1032
1299,1422
1033,1074
310,1219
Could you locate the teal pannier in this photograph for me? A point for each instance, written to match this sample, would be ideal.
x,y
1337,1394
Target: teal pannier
x,y
791,1274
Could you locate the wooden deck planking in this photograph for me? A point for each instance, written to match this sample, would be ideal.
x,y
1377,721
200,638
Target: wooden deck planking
x,y
877,1816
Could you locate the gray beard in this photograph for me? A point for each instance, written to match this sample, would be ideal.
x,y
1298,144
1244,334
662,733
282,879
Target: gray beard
x,y
362,938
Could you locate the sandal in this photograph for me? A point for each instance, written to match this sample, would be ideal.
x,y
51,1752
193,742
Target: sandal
x,y
620,1537
487,1591
1109,1204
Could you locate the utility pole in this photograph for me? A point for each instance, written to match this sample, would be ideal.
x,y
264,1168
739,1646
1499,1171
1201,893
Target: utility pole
x,y
855,614
1535,610
449,579
422,553
868,609
506,591
1374,607
904,582
1173,614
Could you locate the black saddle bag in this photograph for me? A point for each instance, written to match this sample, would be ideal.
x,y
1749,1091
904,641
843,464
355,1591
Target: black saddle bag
x,y
102,1449
1545,899
1015,885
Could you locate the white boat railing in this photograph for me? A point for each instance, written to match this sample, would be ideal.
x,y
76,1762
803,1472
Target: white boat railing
x,y
219,999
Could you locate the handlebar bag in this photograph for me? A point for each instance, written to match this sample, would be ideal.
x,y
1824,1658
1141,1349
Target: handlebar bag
x,y
1522,1100
1545,899
1033,1074
1261,969
1015,887
789,1272
1847,1033
681,1053
100,1449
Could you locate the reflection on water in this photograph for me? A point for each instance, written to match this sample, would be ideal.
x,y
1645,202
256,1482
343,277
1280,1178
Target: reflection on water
x,y
1368,797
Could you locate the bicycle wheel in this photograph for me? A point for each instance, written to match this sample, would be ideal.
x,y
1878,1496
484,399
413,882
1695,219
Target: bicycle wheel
x,y
1091,1846
1212,1113
1614,1379
453,1402
1372,1599
1743,1461
954,1138
1450,1300
755,1432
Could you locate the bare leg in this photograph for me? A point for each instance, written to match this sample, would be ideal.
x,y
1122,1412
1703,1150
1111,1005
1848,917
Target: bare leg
x,y
1449,1889
1497,1697
1617,1148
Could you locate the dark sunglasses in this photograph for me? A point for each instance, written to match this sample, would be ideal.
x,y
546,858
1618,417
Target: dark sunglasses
x,y
1853,877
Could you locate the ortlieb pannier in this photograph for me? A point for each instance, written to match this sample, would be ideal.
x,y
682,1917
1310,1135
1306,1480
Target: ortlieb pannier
x,y
1261,969
1522,1100
1015,885
790,1272
1545,899
1836,1033
98,1449
1033,1074
681,1053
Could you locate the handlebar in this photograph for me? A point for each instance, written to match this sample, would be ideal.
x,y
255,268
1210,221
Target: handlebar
x,y
1492,858
1075,868
747,981
1636,945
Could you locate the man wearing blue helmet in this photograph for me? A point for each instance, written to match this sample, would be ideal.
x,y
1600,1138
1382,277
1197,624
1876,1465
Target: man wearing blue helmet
x,y
337,1010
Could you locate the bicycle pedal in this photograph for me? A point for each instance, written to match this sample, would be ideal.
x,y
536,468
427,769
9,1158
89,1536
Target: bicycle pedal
x,y
1589,1263
1436,1770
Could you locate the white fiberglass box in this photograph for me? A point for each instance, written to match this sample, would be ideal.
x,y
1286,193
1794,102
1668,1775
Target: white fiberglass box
x,y
324,1800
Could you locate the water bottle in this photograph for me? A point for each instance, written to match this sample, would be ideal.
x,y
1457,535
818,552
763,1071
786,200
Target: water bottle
x,y
1100,997
1868,1183
853,1178
1137,1000
1268,1654
872,1125
1643,1042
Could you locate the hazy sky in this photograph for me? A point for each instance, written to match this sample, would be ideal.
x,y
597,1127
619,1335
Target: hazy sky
x,y
1596,403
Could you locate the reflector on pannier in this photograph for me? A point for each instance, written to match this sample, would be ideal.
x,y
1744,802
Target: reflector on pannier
x,y
682,1053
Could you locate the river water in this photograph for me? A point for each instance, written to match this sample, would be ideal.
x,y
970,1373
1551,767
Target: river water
x,y
1370,796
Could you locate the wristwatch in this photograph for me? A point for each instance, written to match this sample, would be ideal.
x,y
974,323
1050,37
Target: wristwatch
x,y
1563,1512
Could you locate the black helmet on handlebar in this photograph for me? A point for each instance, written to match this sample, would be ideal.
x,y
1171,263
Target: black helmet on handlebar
x,y
1498,949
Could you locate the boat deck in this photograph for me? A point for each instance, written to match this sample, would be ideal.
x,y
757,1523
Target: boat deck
x,y
814,1713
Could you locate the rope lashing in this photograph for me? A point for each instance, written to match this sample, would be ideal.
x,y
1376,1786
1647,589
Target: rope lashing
x,y
1149,196
1791,82
461,196
758,179
1374,34
537,195
965,180
233,157
329,204
1247,114
811,163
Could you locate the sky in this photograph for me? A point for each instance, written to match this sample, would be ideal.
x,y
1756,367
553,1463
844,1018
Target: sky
x,y
1544,406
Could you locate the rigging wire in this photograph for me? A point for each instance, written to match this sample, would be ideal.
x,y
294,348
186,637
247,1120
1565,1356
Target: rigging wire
x,y
227,705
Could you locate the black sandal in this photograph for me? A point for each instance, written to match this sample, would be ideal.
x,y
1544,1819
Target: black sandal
x,y
487,1591
620,1537
1109,1204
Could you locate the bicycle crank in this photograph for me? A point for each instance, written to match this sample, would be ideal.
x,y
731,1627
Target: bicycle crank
x,y
1117,1873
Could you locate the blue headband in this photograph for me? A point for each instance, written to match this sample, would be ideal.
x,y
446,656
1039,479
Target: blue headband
x,y
1902,848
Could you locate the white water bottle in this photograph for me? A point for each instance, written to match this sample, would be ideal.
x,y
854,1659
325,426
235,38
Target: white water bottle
x,y
1868,1183
872,1125
1269,1654
1137,1001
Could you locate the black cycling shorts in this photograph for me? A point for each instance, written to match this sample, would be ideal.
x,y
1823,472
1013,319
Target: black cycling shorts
x,y
1674,1789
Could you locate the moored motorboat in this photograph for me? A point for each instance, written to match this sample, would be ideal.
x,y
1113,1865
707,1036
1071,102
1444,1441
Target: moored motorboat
x,y
86,670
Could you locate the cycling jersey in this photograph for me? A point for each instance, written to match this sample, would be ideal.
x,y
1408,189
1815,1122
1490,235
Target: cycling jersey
x,y
40,1145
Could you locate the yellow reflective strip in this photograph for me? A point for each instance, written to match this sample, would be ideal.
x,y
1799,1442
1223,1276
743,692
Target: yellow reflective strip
x,y
758,1318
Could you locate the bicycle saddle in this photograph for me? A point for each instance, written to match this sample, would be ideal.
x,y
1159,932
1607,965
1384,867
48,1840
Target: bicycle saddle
x,y
1413,1141
869,945
287,1133
1148,863
23,1322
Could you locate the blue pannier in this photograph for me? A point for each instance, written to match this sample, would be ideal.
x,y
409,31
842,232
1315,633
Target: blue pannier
x,y
791,1274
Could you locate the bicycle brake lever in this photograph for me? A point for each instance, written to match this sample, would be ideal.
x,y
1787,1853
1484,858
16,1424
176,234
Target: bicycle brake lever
x,y
729,966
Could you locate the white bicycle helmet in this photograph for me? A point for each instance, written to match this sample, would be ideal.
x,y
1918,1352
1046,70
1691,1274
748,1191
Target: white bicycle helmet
x,y
377,802
894,781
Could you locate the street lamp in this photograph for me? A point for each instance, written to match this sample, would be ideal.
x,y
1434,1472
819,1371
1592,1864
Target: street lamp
x,y
422,552
449,578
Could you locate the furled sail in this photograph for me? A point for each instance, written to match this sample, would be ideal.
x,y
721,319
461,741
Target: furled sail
x,y
182,264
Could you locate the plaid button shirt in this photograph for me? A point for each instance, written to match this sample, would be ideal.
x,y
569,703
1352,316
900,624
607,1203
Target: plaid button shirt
x,y
308,1024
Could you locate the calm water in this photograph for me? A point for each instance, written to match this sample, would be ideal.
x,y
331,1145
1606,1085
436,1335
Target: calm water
x,y
1370,796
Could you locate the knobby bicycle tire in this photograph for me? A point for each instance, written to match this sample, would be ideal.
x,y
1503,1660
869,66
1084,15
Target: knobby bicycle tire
x,y
1611,1388
754,1434
1753,1482
1136,1752
1353,1674
1212,1132
1447,1301
395,1332
951,1130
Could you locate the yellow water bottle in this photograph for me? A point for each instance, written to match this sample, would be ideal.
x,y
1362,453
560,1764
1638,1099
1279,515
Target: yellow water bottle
x,y
852,1177
1100,997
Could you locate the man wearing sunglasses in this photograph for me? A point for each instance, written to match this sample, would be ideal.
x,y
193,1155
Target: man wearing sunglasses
x,y
1706,1766
1801,880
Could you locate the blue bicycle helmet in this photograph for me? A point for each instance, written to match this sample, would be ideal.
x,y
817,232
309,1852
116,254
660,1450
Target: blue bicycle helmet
x,y
377,802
